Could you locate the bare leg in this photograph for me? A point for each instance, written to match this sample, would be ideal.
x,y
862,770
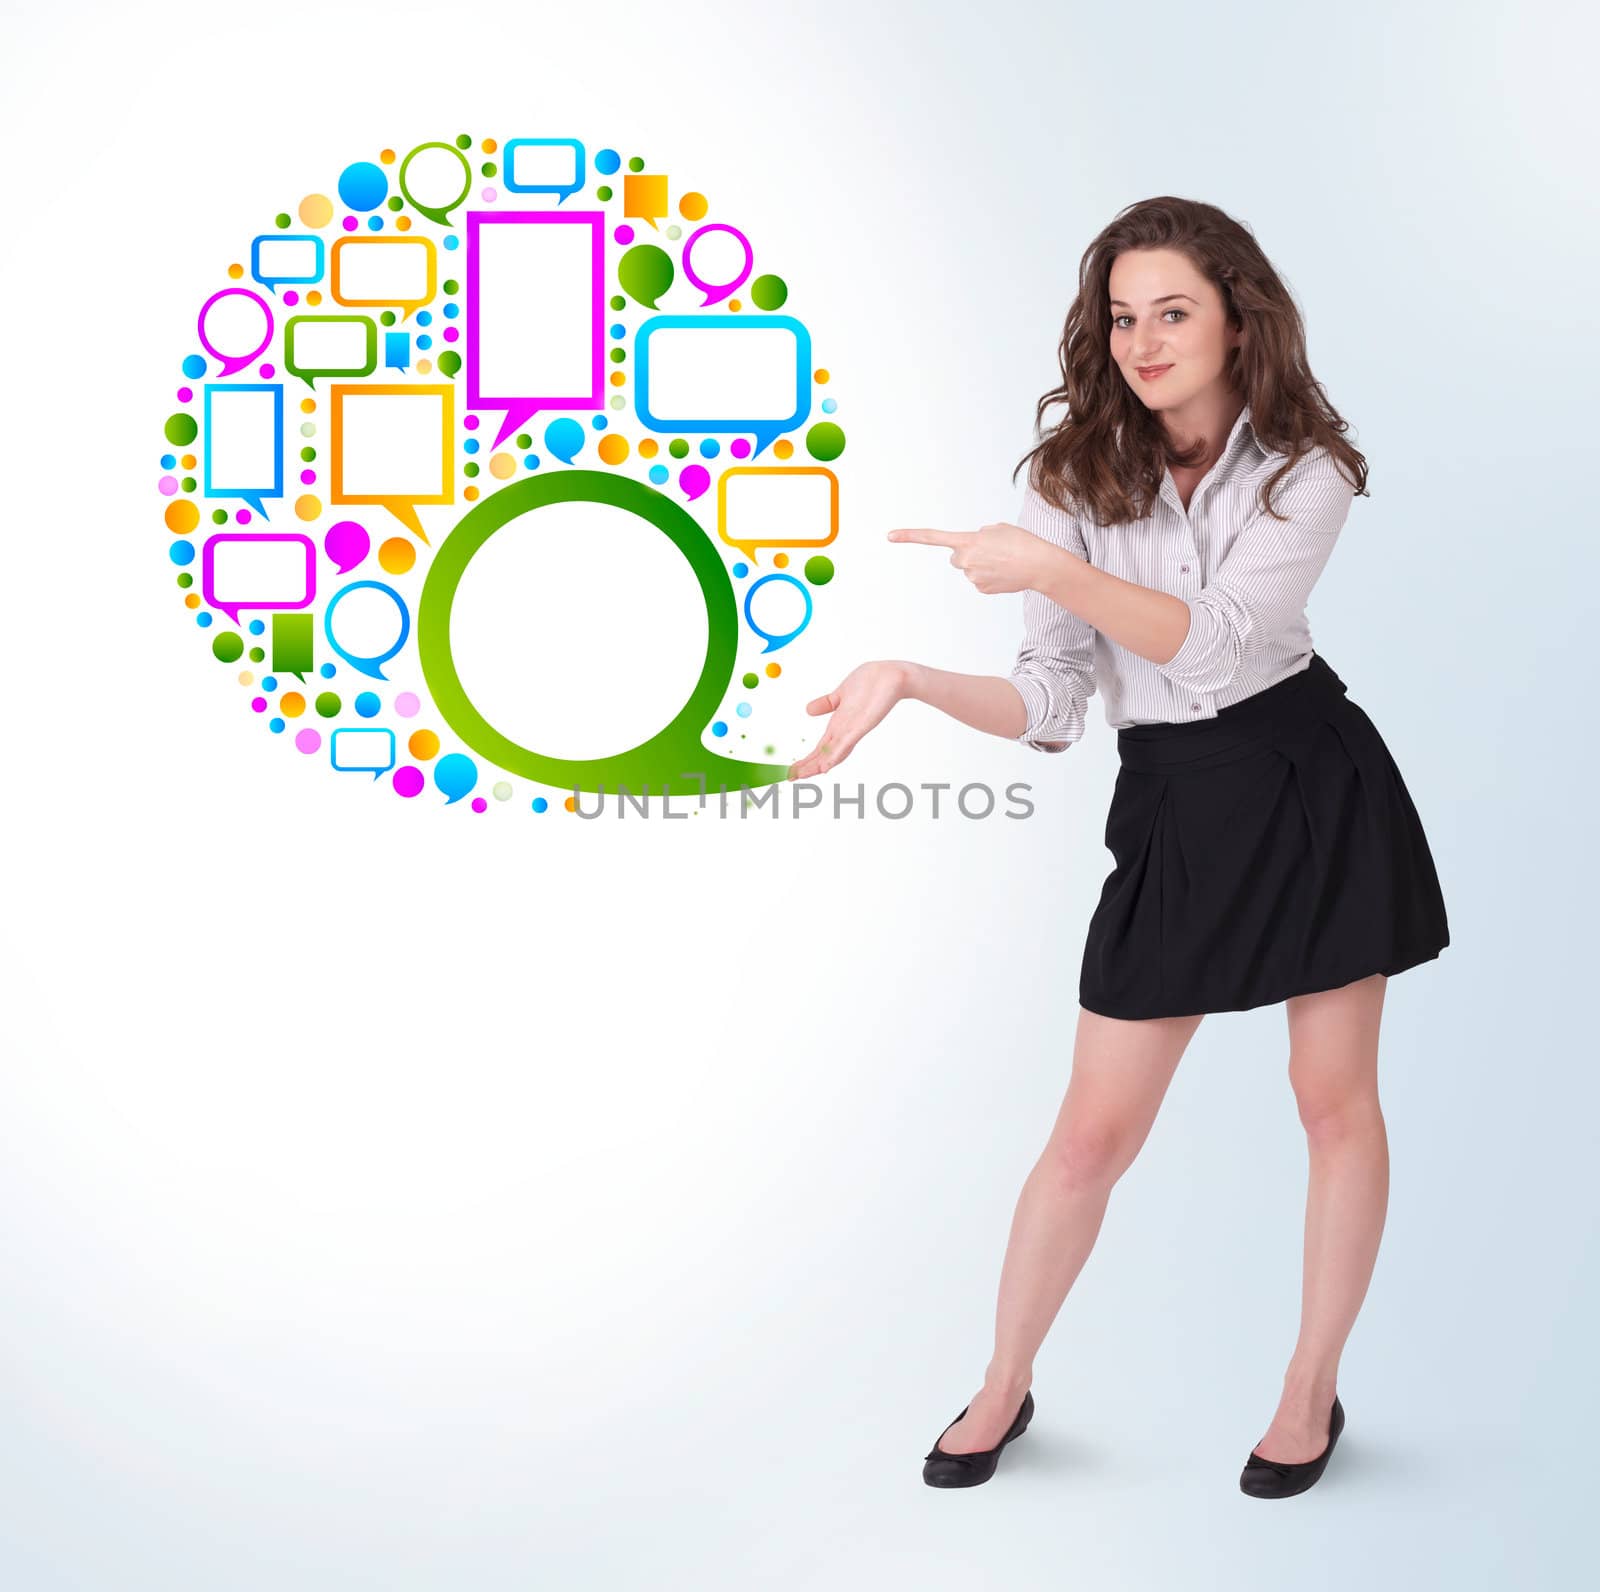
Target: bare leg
x,y
1333,1066
1120,1073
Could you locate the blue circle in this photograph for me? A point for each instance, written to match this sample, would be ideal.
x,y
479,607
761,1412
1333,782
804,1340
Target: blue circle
x,y
829,405
194,365
618,329
719,728
451,310
256,627
168,461
203,620
658,473
539,804
181,552
743,710
710,448
424,341
530,461
363,186
607,161
470,445
326,671
374,223
599,422
741,569
367,704
452,242
276,726
423,317
269,682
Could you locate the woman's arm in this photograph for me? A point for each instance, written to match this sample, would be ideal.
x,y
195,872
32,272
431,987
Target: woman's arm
x,y
988,702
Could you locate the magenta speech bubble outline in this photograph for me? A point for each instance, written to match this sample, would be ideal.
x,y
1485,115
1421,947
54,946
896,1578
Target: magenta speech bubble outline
x,y
521,407
230,364
208,585
715,293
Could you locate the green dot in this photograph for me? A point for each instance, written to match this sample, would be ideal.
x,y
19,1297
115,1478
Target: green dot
x,y
451,285
469,468
228,646
258,654
181,429
307,455
524,439
449,362
186,579
618,302
488,168
769,292
636,163
825,441
219,516
387,317
328,703
678,448
187,483
282,220
819,570
463,141
767,751
618,355
602,193
751,681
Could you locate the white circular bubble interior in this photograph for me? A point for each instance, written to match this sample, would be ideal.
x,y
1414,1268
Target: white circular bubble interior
x,y
436,177
578,630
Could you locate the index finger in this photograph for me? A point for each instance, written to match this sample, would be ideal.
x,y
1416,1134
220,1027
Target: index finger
x,y
931,537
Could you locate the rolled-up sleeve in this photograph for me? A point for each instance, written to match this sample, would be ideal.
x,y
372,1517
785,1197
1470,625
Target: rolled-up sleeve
x,y
1054,670
1263,583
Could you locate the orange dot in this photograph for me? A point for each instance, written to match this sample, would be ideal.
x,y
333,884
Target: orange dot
x,y
187,461
783,447
246,678
182,516
316,210
570,804
423,744
308,406
781,560
489,146
236,271
821,378
307,507
692,206
649,448
734,306
313,298
402,223
291,704
774,670
387,157
502,466
470,494
617,378
192,600
424,366
613,449
397,555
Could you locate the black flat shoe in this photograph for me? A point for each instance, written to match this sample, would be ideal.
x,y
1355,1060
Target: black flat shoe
x,y
1270,1478
968,1470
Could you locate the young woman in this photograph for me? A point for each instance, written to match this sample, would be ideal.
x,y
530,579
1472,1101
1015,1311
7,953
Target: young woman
x,y
1266,848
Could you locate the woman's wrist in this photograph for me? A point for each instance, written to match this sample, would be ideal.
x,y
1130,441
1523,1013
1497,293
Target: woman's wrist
x,y
911,680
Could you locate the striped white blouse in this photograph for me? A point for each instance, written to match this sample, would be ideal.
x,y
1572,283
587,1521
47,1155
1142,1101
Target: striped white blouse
x,y
1244,575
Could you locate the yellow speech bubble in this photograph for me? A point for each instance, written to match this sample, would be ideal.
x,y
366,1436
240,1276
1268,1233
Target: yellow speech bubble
x,y
771,502
368,271
381,436
644,197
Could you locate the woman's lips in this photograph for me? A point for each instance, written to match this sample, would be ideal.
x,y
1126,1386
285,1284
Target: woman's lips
x,y
1150,372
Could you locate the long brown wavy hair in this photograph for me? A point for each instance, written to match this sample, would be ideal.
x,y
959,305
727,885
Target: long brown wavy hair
x,y
1108,453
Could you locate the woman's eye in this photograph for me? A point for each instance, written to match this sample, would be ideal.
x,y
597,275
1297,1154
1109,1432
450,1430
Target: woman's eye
x,y
1183,313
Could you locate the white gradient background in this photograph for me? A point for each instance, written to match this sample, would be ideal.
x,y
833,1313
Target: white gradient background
x,y
391,1199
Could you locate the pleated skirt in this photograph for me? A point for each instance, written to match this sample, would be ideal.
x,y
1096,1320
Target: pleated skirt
x,y
1271,851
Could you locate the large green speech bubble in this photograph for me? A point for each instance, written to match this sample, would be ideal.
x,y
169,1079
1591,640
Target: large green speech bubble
x,y
671,762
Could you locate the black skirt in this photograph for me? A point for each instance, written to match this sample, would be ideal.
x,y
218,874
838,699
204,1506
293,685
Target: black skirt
x,y
1270,851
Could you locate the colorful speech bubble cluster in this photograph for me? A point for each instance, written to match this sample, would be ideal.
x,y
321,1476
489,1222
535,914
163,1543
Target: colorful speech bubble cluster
x,y
330,469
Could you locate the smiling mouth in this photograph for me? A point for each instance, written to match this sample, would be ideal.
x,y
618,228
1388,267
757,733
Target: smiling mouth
x,y
1150,372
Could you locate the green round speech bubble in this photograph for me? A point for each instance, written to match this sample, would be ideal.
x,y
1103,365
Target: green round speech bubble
x,y
438,213
671,762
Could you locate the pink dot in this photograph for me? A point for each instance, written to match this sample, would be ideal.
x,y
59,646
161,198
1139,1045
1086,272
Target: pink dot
x,y
350,223
168,485
307,741
308,477
242,517
266,372
489,196
407,781
451,334
471,422
185,394
291,298
407,705
479,805
740,449
258,705
623,234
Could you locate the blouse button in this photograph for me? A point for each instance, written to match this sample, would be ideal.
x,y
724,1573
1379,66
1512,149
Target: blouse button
x,y
1185,568
1195,706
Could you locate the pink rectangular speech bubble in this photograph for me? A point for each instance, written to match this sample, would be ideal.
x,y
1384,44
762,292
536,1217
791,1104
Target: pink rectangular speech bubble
x,y
208,571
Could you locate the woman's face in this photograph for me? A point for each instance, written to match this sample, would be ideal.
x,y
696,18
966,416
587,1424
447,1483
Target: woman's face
x,y
1164,312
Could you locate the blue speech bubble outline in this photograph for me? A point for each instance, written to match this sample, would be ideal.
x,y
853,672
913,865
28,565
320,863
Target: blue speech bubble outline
x,y
360,768
509,164
273,283
252,494
766,431
368,666
773,642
